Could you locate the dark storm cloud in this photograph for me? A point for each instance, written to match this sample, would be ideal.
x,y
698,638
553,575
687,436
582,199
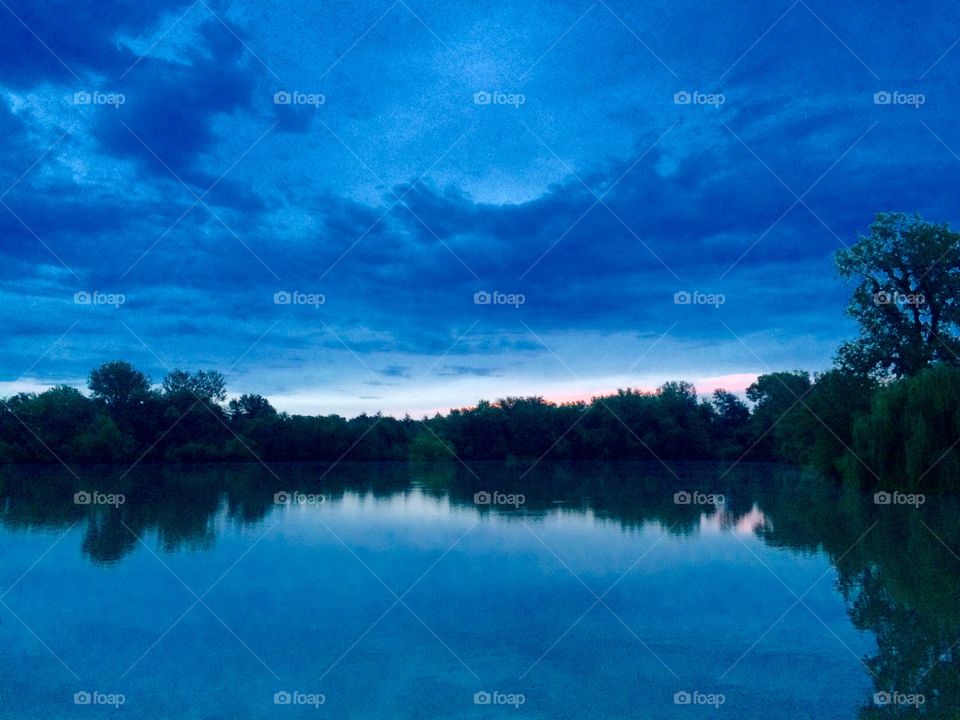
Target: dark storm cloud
x,y
166,121
58,41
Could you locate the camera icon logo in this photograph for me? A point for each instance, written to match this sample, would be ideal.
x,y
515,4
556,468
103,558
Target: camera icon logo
x,y
882,498
482,498
682,98
882,698
482,298
682,298
281,498
882,98
881,298
682,698
82,698
482,698
82,498
81,298
682,498
482,97
82,98
282,97
282,298
282,698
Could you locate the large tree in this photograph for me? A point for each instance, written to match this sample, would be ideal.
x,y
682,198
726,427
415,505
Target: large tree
x,y
251,407
777,396
118,384
906,298
207,385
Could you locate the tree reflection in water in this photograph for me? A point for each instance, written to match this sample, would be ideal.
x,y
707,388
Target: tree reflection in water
x,y
898,566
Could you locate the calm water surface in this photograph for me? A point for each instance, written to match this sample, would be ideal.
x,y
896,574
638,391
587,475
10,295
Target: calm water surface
x,y
399,596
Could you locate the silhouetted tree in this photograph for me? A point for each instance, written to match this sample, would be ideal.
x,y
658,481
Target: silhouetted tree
x,y
909,436
206,385
251,407
118,384
776,395
731,423
906,298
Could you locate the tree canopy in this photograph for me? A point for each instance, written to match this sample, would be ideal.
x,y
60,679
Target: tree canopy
x,y
118,384
906,297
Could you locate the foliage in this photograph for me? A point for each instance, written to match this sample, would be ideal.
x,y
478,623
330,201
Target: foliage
x,y
119,384
778,399
906,298
908,438
187,420
427,447
205,385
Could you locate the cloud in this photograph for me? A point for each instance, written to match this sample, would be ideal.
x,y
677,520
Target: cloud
x,y
62,40
166,123
597,200
461,370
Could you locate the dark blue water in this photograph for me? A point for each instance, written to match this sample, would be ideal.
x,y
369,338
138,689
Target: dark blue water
x,y
399,597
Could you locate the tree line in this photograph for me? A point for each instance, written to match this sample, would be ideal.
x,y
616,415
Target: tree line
x,y
887,412
188,419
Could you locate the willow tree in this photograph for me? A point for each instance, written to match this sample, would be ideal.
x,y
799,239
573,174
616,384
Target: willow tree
x,y
906,296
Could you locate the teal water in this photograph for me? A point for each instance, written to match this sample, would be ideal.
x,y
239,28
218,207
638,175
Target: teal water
x,y
398,596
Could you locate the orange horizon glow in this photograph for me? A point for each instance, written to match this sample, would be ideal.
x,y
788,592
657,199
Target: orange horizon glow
x,y
736,383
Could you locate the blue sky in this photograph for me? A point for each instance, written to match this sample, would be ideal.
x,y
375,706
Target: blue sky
x,y
590,159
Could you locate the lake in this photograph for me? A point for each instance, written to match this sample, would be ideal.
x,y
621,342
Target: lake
x,y
410,591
